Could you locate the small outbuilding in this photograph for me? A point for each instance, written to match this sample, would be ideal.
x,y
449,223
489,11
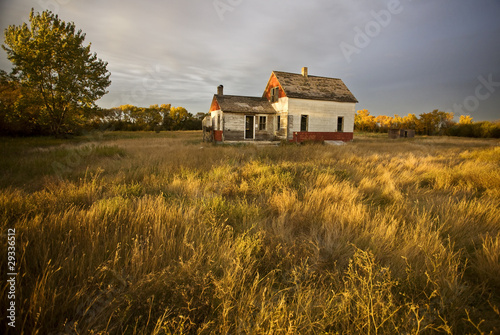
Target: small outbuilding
x,y
401,133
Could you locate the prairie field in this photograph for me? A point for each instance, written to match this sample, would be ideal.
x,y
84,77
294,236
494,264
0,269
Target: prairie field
x,y
145,233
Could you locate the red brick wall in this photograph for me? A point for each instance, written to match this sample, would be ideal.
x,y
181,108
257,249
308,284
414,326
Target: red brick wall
x,y
218,135
302,136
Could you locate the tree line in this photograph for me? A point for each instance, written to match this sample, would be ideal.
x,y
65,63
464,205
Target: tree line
x,y
432,123
56,81
154,117
24,113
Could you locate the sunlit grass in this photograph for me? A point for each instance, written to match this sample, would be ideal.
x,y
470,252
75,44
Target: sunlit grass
x,y
145,233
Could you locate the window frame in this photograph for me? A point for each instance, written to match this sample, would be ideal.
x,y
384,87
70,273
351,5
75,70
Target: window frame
x,y
275,94
262,125
306,117
341,124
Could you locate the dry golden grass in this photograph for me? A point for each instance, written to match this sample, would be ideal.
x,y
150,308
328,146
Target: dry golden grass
x,y
139,233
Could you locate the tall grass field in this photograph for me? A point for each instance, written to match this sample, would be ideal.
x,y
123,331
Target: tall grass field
x,y
145,233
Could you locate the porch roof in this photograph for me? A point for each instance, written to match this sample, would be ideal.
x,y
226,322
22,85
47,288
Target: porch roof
x,y
243,104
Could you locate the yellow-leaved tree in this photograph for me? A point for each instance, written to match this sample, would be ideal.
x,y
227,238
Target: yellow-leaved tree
x,y
465,119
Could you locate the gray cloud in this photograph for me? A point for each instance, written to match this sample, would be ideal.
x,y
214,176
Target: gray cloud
x,y
428,56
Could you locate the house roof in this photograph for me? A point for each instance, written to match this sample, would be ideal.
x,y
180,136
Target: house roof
x,y
314,87
242,104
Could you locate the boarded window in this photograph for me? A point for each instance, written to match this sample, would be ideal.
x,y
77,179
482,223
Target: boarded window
x,y
278,122
304,122
275,94
340,124
262,123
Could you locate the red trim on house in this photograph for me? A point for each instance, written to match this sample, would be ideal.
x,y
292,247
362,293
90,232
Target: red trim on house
x,y
218,135
214,106
273,82
302,136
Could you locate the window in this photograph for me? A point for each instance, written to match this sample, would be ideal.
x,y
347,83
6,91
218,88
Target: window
x,y
262,123
340,124
218,122
278,122
275,94
304,122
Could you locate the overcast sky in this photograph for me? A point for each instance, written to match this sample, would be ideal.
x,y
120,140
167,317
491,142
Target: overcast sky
x,y
397,57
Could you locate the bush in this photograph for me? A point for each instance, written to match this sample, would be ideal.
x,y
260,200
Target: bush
x,y
484,129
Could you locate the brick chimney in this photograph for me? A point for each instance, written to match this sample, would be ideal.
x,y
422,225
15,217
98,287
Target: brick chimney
x,y
220,90
304,71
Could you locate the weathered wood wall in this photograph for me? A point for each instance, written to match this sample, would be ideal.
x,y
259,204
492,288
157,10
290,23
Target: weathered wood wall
x,y
268,133
234,127
323,115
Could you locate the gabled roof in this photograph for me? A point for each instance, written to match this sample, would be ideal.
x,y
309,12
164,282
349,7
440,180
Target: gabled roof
x,y
314,87
241,104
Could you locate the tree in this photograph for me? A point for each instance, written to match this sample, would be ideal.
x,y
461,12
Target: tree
x,y
384,122
49,57
410,121
397,122
363,121
179,116
465,119
147,118
200,115
19,108
166,123
435,122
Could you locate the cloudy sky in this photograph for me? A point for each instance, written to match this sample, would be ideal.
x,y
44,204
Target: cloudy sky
x,y
396,56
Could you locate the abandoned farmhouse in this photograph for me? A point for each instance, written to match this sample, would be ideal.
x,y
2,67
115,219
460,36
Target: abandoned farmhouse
x,y
293,107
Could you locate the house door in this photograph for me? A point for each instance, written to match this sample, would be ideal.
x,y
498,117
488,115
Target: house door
x,y
249,127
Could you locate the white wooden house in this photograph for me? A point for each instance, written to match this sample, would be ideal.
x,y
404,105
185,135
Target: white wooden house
x,y
294,107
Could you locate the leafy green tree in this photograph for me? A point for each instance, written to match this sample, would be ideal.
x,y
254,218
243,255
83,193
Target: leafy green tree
x,y
19,108
153,117
200,115
147,118
49,57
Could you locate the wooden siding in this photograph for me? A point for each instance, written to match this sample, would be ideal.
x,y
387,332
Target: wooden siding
x,y
282,132
214,116
234,127
322,115
281,107
268,133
